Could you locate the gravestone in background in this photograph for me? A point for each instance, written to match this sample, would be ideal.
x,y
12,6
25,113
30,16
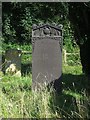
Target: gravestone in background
x,y
1,73
13,62
47,55
0,61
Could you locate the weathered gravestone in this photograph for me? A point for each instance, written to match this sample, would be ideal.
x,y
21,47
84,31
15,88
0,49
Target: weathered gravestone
x,y
1,73
0,61
47,55
13,62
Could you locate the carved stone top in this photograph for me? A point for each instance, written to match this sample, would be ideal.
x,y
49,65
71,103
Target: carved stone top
x,y
46,30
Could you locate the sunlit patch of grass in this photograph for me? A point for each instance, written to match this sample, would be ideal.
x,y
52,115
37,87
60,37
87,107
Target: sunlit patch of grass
x,y
74,70
73,94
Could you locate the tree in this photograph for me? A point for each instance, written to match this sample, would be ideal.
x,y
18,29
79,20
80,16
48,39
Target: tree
x,y
79,15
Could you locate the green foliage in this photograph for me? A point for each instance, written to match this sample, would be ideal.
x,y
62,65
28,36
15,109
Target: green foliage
x,y
18,18
18,21
24,47
73,59
26,58
9,32
11,84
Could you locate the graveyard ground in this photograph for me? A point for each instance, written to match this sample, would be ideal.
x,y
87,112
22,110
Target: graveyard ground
x,y
17,100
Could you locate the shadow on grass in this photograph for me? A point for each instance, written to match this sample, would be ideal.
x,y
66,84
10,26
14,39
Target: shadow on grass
x,y
26,68
74,82
73,90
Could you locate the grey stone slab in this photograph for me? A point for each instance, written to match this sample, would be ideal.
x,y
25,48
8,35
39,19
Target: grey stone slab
x,y
47,55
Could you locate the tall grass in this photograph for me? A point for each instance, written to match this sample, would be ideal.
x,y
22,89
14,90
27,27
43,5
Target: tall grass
x,y
35,104
17,100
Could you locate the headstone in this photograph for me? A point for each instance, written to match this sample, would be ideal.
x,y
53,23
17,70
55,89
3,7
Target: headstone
x,y
47,55
0,61
1,73
13,62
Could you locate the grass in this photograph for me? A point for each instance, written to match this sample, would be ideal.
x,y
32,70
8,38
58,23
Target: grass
x,y
18,101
